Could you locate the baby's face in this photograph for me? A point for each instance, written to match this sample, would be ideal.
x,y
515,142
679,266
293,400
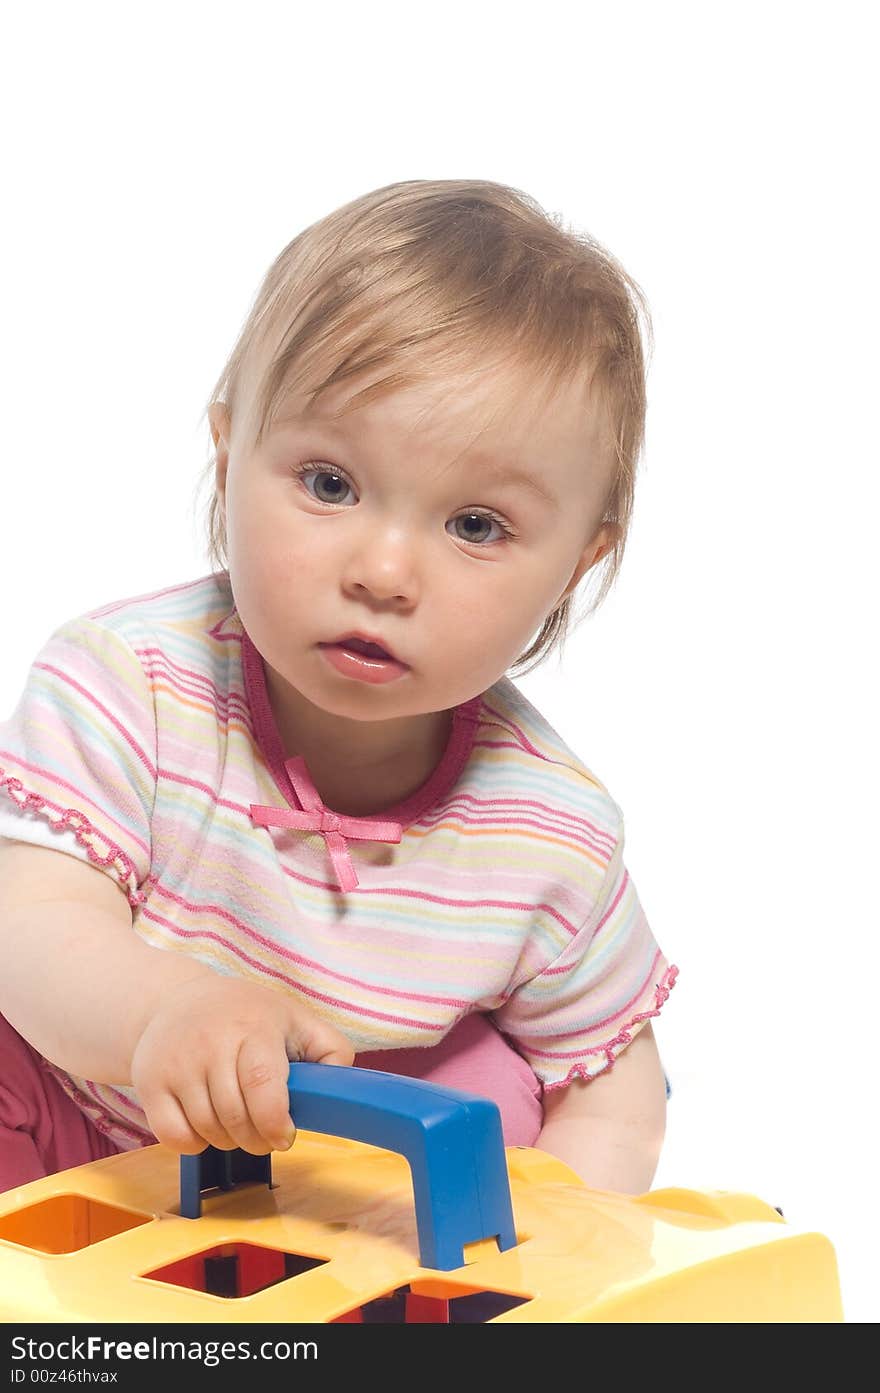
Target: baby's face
x,y
405,519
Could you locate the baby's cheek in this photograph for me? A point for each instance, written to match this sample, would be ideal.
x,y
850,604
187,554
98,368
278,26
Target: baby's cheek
x,y
486,629
275,555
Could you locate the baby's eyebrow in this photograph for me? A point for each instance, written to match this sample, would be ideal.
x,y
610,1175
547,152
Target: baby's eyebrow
x,y
513,474
501,472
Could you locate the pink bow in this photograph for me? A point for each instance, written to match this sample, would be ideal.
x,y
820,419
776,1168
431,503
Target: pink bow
x,y
334,827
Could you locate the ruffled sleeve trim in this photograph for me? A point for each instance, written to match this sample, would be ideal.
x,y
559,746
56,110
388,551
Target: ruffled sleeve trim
x,y
586,1069
100,850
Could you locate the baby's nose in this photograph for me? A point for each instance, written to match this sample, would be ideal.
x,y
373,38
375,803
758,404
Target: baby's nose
x,y
387,565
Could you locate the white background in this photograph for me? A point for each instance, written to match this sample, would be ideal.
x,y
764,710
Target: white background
x,y
156,159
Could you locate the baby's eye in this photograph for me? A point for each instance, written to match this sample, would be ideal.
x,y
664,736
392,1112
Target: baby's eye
x,y
330,485
474,523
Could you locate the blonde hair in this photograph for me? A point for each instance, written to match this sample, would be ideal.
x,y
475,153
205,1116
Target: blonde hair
x,y
427,276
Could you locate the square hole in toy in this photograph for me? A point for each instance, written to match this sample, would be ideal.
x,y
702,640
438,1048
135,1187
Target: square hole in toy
x,y
66,1223
405,1307
234,1269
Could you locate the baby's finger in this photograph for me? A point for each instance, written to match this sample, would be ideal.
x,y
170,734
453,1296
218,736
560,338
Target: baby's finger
x,y
232,1112
200,1113
169,1125
262,1075
308,1037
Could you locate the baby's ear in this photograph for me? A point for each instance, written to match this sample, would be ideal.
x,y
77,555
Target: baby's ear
x,y
598,546
218,417
604,540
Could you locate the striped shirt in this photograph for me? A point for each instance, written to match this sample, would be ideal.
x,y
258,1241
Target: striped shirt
x,y
144,742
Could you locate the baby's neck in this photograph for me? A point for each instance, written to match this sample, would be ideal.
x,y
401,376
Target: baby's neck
x,y
359,789
370,801
361,782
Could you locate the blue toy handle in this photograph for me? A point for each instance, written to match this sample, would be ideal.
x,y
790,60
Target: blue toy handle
x,y
452,1140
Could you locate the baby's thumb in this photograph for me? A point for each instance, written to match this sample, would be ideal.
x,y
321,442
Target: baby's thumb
x,y
319,1043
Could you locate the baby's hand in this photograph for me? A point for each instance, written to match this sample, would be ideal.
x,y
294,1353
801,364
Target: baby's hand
x,y
211,1065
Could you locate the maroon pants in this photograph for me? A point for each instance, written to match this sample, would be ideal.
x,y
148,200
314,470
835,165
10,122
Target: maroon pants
x,y
43,1131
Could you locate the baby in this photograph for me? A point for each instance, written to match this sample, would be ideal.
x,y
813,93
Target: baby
x,y
296,809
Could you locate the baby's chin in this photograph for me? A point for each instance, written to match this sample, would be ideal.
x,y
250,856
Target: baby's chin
x,y
322,693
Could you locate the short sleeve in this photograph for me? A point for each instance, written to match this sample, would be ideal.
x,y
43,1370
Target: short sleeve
x,y
575,1015
78,754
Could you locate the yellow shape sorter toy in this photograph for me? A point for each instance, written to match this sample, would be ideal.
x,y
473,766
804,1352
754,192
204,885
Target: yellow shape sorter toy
x,y
397,1203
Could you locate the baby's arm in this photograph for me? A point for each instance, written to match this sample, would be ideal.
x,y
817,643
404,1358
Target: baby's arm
x,y
207,1054
610,1130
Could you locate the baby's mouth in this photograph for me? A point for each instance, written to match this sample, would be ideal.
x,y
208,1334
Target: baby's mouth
x,y
364,647
363,660
359,645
